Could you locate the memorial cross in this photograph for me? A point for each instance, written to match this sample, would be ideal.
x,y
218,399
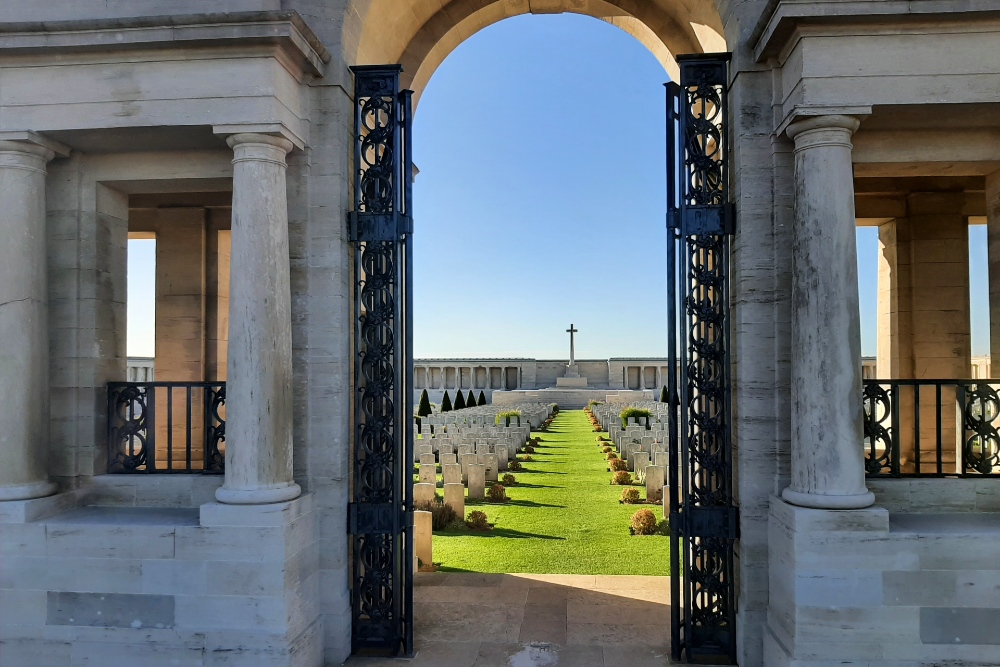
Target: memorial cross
x,y
572,349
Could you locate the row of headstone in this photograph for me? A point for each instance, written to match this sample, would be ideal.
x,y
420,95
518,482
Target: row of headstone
x,y
453,453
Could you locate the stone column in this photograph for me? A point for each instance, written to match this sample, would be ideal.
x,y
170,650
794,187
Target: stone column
x,y
24,322
993,242
827,430
259,386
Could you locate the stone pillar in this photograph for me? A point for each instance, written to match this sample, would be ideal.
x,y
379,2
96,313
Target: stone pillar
x,y
24,322
993,236
259,386
827,430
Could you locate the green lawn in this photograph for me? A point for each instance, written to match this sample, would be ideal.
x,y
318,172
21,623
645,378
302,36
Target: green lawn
x,y
563,516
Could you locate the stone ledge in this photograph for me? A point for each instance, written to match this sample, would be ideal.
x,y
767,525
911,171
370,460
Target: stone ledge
x,y
285,28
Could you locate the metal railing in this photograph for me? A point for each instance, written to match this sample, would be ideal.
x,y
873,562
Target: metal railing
x,y
931,428
166,427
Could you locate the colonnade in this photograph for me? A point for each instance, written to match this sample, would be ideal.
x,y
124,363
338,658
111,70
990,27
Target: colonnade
x,y
259,391
467,377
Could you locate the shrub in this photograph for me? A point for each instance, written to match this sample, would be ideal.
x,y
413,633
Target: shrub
x,y
643,523
470,400
555,408
441,514
508,479
633,412
605,449
482,398
618,464
525,458
504,416
446,403
630,496
424,407
611,456
663,394
515,465
622,478
459,400
663,527
476,520
496,494
528,449
593,402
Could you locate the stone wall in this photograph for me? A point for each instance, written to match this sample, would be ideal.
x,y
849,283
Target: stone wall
x,y
910,589
166,582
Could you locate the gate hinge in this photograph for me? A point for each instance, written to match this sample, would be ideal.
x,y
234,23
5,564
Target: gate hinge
x,y
405,225
352,226
729,219
673,219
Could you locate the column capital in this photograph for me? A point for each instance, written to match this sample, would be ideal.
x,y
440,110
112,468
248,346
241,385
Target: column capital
x,y
31,145
805,130
273,130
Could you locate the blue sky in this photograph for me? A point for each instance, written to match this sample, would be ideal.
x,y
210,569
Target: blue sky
x,y
540,202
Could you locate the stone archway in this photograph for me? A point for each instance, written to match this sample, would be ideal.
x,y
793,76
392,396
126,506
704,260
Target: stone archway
x,y
419,36
422,33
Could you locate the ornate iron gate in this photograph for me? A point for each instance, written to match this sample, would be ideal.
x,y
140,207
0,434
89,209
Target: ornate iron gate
x,y
704,521
380,515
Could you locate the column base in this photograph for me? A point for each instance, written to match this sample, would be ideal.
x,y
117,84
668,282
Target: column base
x,y
855,501
27,491
263,495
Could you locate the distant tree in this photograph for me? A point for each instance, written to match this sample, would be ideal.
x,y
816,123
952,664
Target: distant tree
x,y
459,400
424,407
446,403
482,398
470,401
663,394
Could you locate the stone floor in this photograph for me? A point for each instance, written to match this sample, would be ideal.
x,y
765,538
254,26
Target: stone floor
x,y
524,620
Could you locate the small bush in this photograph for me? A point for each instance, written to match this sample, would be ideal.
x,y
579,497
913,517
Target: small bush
x,y
424,407
441,514
496,494
470,400
621,477
593,402
630,496
528,449
508,479
504,416
663,527
446,403
633,412
663,395
643,523
605,449
525,458
619,464
515,465
476,520
611,456
482,398
459,400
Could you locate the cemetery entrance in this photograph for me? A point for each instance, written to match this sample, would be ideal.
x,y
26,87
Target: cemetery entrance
x,y
703,517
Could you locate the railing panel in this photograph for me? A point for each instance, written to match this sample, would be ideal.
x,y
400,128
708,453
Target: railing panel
x,y
931,428
166,427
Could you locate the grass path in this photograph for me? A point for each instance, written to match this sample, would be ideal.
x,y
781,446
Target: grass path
x,y
563,517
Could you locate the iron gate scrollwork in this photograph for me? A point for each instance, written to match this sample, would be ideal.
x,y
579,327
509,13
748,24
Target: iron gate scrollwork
x,y
381,225
704,520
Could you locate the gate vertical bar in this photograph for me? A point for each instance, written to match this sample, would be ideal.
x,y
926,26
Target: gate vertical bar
x,y
673,228
380,515
704,518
